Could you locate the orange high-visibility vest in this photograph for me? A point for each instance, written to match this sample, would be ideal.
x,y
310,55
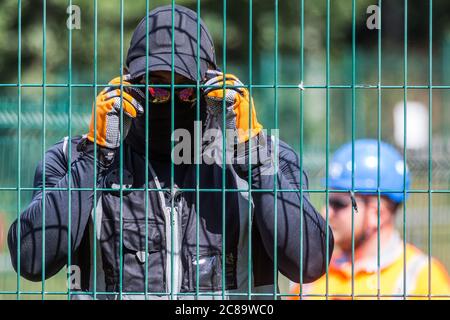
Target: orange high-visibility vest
x,y
421,275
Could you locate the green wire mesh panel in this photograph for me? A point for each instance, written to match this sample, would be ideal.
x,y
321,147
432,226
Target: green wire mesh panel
x,y
313,68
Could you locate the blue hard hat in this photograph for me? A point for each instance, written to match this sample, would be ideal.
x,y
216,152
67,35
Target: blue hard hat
x,y
366,169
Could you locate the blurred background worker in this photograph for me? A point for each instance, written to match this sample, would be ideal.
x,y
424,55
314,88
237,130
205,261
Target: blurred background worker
x,y
396,263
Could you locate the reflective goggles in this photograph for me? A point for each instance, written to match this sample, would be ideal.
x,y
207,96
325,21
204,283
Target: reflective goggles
x,y
161,95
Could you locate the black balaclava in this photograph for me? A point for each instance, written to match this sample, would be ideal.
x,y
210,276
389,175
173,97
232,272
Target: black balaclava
x,y
160,129
160,56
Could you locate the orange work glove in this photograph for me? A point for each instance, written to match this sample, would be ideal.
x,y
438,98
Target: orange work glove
x,y
108,104
237,104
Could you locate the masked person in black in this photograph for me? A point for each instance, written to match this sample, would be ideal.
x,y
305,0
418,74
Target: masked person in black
x,y
164,233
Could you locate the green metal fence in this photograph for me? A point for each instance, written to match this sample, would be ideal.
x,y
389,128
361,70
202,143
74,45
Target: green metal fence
x,y
351,98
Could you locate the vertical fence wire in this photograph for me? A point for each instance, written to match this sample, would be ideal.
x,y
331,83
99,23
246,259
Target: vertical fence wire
x,y
378,151
250,81
146,157
197,157
94,205
121,158
327,144
405,105
301,106
353,141
172,172
224,137
44,102
275,176
69,162
19,138
430,138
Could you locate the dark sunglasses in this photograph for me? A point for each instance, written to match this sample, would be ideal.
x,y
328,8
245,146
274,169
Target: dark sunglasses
x,y
339,203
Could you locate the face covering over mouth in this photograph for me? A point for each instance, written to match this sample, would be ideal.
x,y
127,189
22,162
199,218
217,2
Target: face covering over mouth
x,y
160,130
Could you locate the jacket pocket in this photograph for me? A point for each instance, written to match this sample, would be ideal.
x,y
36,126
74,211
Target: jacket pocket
x,y
135,258
209,267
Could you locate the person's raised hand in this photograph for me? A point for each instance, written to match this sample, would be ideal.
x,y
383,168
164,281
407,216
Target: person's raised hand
x,y
237,105
108,105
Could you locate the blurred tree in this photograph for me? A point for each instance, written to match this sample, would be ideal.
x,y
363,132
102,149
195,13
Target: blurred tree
x,y
211,11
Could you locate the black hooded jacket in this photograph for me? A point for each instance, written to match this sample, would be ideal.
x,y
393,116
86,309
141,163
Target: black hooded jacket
x,y
200,223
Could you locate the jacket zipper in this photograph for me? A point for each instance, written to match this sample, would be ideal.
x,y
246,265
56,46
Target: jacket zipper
x,y
176,246
171,225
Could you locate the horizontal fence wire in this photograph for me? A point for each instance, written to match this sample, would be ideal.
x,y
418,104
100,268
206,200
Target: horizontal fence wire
x,y
299,86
